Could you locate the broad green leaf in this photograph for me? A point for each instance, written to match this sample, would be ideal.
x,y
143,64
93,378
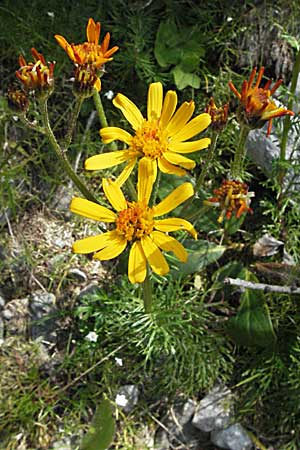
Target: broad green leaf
x,y
167,50
102,429
200,254
183,79
252,324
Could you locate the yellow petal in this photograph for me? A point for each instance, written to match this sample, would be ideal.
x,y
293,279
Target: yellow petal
x,y
179,160
195,126
114,194
154,256
137,264
97,85
169,244
178,196
126,172
174,224
189,147
181,117
105,160
61,41
93,31
155,99
129,110
92,243
114,248
146,178
167,167
169,106
92,210
110,134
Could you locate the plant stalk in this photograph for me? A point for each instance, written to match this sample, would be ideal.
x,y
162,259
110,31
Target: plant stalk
x,y
72,124
101,114
236,169
61,155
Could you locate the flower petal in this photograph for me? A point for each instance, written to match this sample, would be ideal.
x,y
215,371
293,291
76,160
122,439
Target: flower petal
x,y
155,99
146,178
66,46
174,224
178,196
181,117
154,256
179,160
92,210
115,246
129,110
195,126
167,167
92,243
109,134
105,160
126,172
137,264
169,244
189,147
114,194
97,85
93,31
168,109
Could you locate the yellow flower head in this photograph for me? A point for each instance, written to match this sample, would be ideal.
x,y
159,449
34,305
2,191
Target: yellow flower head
x,y
160,138
256,104
37,76
90,52
231,196
136,224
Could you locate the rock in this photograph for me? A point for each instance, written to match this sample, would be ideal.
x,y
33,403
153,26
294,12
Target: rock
x,y
2,300
43,310
90,289
161,441
62,199
214,410
78,274
232,438
127,397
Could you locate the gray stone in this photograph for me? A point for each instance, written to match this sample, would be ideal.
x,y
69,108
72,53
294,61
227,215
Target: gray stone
x,y
15,316
214,410
232,438
130,394
2,300
43,311
78,274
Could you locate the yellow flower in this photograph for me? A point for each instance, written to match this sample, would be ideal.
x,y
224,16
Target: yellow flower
x,y
89,52
231,196
257,106
161,138
37,76
136,223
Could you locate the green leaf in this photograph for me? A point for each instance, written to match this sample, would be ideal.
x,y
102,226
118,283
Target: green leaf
x,y
252,325
166,49
183,79
102,429
200,254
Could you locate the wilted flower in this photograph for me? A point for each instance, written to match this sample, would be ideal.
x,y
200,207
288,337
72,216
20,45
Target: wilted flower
x,y
256,105
85,80
231,197
136,224
17,100
89,52
37,76
160,139
218,116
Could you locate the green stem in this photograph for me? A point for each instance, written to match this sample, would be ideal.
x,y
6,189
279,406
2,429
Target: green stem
x,y
210,155
236,170
147,292
61,154
31,125
101,114
73,120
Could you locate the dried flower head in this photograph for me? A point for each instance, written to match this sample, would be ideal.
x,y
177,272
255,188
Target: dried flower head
x,y
37,76
231,197
218,116
17,100
85,79
256,104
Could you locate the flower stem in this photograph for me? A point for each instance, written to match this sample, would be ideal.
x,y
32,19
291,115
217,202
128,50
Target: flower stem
x,y
147,292
101,114
208,161
73,120
236,170
61,155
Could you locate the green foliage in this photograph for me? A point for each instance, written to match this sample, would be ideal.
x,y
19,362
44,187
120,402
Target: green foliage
x,y
102,429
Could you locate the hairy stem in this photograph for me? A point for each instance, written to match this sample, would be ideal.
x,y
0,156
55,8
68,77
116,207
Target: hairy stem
x,y
73,120
102,116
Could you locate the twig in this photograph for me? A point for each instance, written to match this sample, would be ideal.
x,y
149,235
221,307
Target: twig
x,y
261,286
